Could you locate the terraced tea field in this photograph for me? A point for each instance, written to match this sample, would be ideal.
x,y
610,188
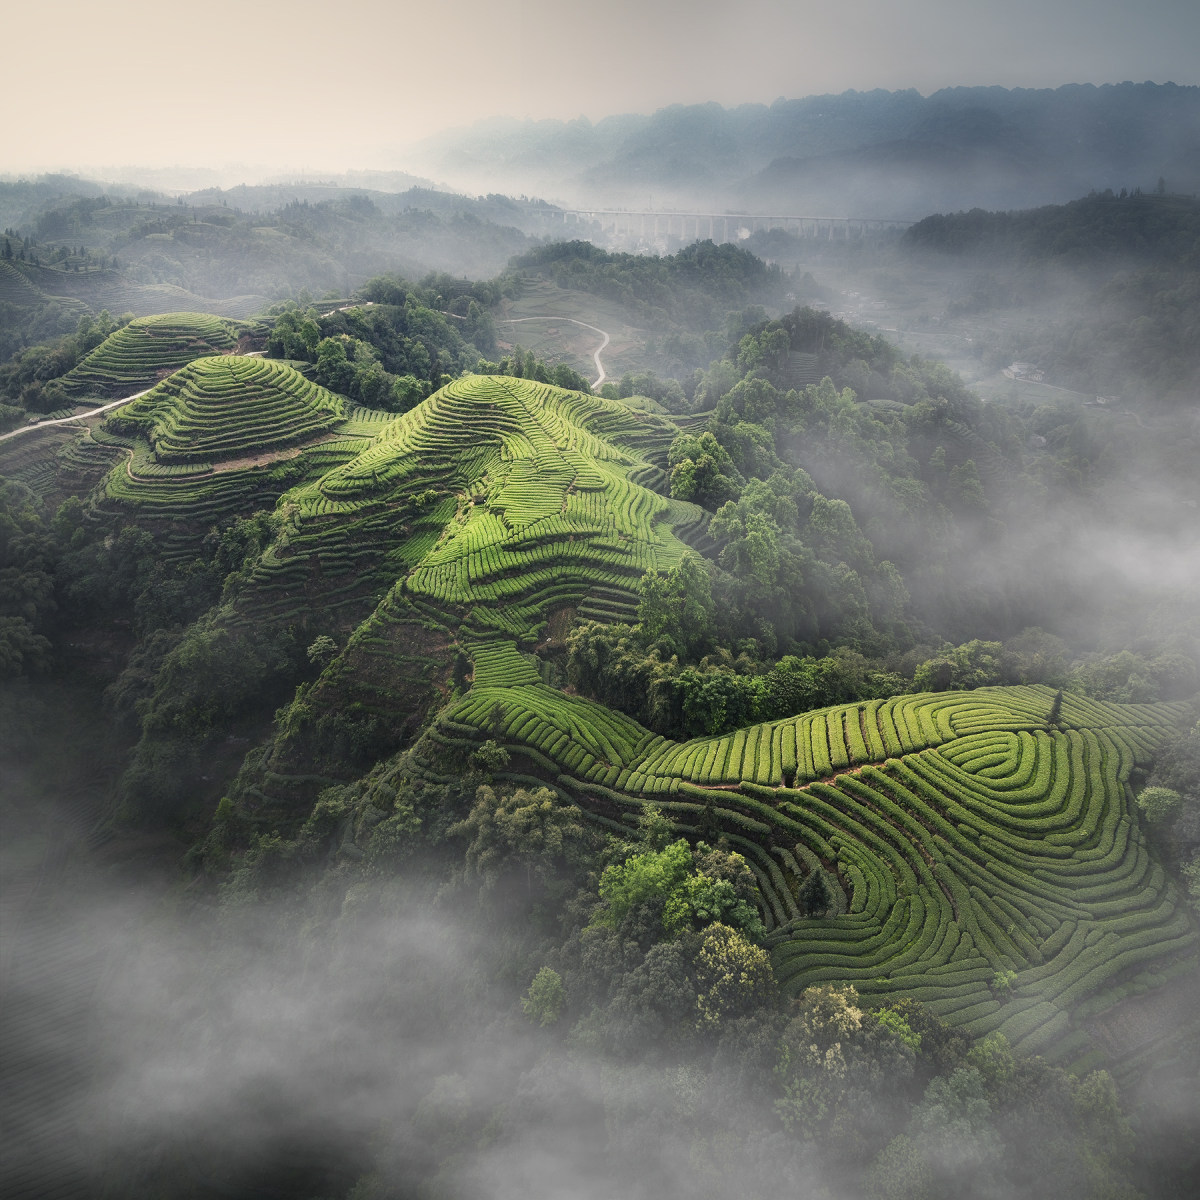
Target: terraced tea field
x,y
219,439
21,291
961,835
546,507
222,407
980,849
146,350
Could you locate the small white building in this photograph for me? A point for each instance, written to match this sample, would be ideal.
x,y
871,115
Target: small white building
x,y
1030,372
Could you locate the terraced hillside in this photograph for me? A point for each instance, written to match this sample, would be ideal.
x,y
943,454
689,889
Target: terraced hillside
x,y
979,850
17,290
962,836
471,520
25,285
21,292
146,350
221,407
230,436
115,291
496,501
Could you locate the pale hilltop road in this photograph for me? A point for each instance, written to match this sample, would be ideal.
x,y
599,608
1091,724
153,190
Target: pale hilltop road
x,y
103,408
83,416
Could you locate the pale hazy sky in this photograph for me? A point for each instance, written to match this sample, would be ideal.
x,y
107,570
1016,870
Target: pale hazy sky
x,y
321,84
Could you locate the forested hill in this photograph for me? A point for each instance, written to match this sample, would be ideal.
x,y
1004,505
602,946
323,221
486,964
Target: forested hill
x,y
1100,293
1102,228
64,255
694,288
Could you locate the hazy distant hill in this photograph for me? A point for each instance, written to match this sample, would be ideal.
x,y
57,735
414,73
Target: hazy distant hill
x,y
75,239
878,153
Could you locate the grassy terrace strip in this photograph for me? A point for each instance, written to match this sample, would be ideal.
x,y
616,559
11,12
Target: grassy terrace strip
x,y
222,407
961,833
146,350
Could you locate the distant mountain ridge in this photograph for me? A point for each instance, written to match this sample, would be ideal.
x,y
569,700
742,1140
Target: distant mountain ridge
x,y
900,154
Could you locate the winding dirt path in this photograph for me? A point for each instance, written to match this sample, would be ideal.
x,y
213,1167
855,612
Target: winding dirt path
x,y
102,408
83,416
602,375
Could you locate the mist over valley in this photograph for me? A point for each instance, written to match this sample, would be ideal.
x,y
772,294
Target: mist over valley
x,y
650,653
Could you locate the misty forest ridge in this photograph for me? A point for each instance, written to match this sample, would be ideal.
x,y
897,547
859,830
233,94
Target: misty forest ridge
x,y
671,670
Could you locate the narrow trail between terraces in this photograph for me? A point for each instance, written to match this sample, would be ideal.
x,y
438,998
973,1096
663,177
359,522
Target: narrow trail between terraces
x,y
83,416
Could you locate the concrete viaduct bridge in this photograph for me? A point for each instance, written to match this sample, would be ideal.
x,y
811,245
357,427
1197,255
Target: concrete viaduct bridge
x,y
719,227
